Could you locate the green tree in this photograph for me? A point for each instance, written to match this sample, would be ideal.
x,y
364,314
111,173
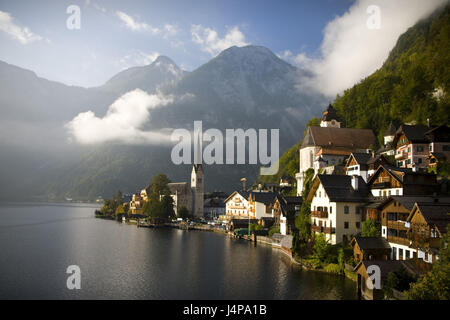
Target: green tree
x,y
321,247
183,212
371,228
399,280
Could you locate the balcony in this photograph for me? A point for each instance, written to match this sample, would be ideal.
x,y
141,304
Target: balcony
x,y
329,230
319,214
398,225
401,155
381,185
399,240
316,228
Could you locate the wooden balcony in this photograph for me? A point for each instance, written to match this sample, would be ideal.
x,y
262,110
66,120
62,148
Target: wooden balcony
x,y
381,185
401,155
319,214
399,240
398,225
316,228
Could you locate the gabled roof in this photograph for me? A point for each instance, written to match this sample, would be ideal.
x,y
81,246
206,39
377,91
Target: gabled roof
x,y
288,203
242,193
263,197
409,201
437,214
339,188
439,134
360,158
349,138
390,131
397,173
378,157
414,133
178,187
366,243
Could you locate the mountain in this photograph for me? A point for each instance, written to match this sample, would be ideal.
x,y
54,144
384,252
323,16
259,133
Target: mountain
x,y
162,71
411,86
242,87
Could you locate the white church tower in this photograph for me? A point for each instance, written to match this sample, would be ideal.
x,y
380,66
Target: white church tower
x,y
197,182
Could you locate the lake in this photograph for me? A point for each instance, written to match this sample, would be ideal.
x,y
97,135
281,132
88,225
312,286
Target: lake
x,y
119,261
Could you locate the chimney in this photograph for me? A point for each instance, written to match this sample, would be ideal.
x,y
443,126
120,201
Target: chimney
x,y
428,122
355,181
243,180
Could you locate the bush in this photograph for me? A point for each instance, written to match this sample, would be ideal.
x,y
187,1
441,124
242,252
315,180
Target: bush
x,y
333,268
273,230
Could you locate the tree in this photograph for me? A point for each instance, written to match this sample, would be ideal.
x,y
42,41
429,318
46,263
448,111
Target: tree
x,y
435,285
321,247
371,228
183,212
167,211
160,186
399,280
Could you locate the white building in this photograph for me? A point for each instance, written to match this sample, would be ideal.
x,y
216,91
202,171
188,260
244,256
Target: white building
x,y
335,202
237,204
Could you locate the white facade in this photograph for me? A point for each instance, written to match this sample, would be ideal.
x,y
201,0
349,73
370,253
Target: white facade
x,y
387,192
283,225
343,216
237,205
356,171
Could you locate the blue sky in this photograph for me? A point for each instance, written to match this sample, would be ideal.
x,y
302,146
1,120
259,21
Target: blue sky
x,y
106,44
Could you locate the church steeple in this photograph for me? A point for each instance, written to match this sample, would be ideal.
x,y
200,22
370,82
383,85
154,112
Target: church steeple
x,y
330,118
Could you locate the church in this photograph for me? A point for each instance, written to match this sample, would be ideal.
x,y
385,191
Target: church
x,y
330,145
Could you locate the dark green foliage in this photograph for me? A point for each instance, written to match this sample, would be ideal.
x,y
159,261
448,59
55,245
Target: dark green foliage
x,y
371,228
160,203
110,205
255,227
399,280
183,212
273,230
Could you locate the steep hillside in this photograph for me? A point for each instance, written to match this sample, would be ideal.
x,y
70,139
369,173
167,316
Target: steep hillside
x,y
411,86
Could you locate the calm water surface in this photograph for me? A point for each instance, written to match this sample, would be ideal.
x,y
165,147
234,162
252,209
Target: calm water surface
x,y
119,261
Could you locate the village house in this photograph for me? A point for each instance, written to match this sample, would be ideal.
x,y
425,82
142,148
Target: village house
x,y
395,227
370,248
427,223
335,202
260,204
330,145
388,149
284,212
357,165
236,205
439,147
389,180
412,145
136,204
214,208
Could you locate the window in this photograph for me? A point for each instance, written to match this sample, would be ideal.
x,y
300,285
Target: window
x,y
407,254
397,192
358,225
400,254
419,160
357,210
446,147
346,209
331,209
345,225
384,231
419,149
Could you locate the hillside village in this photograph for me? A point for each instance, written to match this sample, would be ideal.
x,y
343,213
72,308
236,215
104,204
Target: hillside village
x,y
386,207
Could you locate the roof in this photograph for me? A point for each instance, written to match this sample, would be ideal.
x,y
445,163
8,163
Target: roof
x,y
339,137
214,203
378,157
390,131
263,197
366,243
414,133
242,193
339,188
178,187
439,134
288,204
386,266
437,214
330,114
360,158
397,173
408,202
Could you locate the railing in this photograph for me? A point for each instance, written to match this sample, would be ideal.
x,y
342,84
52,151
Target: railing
x,y
399,240
317,228
319,214
401,155
381,185
399,225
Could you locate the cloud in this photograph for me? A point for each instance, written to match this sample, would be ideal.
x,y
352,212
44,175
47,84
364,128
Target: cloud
x,y
21,34
123,121
351,51
210,41
300,60
137,58
134,25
